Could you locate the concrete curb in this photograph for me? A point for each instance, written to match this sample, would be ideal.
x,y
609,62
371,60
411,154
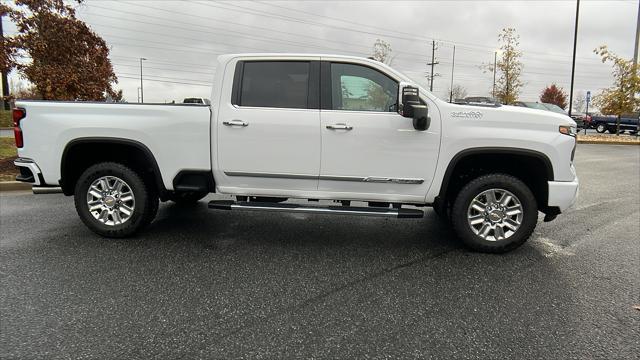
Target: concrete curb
x,y
14,186
6,128
603,142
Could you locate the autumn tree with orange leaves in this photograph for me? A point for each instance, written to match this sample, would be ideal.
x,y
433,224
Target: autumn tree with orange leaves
x,y
59,54
554,95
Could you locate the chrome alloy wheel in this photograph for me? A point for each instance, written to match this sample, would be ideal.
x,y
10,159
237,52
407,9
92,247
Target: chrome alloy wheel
x,y
495,214
111,200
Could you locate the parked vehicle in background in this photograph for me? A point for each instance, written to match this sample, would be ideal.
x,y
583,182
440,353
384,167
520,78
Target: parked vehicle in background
x,y
628,123
583,121
315,127
201,101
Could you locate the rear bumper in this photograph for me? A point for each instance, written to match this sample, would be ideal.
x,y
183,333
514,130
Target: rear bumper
x,y
563,194
29,171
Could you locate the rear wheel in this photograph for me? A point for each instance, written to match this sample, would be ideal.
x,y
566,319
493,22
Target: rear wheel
x,y
494,213
114,201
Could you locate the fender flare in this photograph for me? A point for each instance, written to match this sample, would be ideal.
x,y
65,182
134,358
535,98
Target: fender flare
x,y
446,180
118,141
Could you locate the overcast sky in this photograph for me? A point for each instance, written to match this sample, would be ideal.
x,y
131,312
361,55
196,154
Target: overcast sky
x,y
181,39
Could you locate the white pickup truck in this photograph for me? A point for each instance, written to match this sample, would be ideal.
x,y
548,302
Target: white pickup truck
x,y
314,127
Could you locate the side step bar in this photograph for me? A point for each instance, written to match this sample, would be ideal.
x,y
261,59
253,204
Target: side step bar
x,y
338,210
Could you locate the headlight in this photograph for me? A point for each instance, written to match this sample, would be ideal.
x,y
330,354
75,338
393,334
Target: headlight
x,y
567,130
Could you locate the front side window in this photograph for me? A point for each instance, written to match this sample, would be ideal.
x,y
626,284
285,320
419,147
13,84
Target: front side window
x,y
279,84
359,88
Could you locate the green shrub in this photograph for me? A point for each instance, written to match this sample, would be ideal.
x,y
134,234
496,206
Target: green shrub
x,y
5,118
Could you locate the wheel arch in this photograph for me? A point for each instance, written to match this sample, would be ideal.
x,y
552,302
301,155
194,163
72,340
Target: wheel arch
x,y
77,157
471,163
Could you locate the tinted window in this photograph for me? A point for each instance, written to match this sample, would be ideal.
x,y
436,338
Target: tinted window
x,y
360,88
281,84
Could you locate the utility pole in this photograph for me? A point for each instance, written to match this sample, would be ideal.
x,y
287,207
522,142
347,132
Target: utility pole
x,y
141,87
495,63
635,52
453,66
432,63
5,80
573,62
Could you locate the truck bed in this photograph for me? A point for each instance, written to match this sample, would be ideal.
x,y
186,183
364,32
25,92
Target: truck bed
x,y
178,135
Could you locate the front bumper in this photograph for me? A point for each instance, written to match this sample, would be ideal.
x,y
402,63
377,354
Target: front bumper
x,y
563,194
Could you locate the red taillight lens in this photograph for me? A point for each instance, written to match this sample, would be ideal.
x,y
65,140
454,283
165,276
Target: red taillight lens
x,y
18,115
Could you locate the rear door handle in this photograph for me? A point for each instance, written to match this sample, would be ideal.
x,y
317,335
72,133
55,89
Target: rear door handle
x,y
339,127
235,123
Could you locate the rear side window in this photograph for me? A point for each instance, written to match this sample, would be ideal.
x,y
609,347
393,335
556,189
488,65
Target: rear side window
x,y
279,84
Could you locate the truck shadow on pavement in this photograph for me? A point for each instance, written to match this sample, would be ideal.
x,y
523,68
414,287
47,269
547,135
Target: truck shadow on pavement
x,y
220,228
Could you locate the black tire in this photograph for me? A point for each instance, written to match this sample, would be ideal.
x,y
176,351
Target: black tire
x,y
442,214
601,128
494,181
144,208
186,198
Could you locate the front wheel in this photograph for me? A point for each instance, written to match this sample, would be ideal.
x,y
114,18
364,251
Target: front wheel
x,y
494,213
600,128
114,201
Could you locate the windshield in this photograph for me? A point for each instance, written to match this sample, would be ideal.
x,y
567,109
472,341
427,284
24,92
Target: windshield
x,y
554,108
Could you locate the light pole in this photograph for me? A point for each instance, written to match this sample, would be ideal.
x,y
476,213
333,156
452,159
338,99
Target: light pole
x,y
635,51
573,62
453,66
141,87
495,63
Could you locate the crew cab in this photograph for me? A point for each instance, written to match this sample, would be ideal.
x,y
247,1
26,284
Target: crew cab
x,y
320,134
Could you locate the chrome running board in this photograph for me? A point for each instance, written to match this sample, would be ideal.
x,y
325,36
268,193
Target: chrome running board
x,y
300,208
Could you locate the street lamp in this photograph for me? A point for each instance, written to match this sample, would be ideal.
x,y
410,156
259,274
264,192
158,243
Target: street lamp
x,y
573,61
141,87
495,63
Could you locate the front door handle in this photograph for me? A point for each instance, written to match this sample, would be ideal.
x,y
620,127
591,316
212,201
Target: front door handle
x,y
235,123
339,127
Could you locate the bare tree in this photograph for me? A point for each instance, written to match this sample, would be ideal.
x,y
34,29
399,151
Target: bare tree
x,y
580,101
458,92
382,52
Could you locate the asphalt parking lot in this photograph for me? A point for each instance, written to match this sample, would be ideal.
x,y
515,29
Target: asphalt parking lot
x,y
213,284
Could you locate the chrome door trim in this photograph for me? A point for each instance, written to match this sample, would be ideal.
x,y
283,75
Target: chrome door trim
x,y
369,179
271,175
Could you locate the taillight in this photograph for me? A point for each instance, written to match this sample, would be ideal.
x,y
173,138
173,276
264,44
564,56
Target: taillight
x,y
18,115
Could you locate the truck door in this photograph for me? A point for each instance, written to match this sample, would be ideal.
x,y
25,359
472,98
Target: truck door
x,y
268,136
367,147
